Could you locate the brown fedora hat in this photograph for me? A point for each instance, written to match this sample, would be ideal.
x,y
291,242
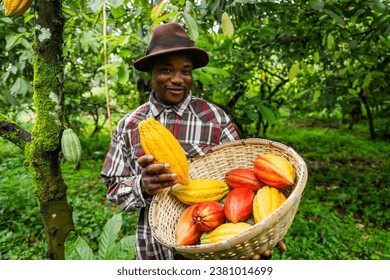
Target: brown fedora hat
x,y
169,38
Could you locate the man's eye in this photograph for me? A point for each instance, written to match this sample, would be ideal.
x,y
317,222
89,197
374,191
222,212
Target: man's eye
x,y
166,70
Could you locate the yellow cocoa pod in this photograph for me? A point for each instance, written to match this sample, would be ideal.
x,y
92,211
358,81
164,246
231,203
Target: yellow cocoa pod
x,y
266,201
158,141
200,190
16,7
227,25
223,232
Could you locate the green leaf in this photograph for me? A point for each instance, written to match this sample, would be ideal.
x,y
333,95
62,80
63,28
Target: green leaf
x,y
109,235
293,71
13,69
121,41
115,3
367,80
16,86
298,95
316,58
85,39
112,68
316,96
168,17
355,83
330,42
76,248
10,41
317,5
353,44
192,26
95,5
158,10
25,43
203,77
377,6
267,114
9,99
123,75
335,16
253,116
189,8
353,19
216,71
118,12
303,66
25,55
123,250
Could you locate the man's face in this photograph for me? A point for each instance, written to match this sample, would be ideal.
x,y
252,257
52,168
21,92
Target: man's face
x,y
172,77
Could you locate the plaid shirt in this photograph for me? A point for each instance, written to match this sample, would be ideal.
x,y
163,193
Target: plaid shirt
x,y
196,123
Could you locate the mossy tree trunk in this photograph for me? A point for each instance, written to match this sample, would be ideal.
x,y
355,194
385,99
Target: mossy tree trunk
x,y
43,146
43,151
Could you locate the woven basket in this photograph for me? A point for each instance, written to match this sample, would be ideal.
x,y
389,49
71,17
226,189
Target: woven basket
x,y
166,209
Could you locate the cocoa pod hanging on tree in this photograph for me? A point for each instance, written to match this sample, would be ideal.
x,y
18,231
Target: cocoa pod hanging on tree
x,y
15,8
71,147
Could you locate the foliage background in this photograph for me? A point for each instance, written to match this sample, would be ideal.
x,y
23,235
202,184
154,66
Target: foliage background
x,y
311,74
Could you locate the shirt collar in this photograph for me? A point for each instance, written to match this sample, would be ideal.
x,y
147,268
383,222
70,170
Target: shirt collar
x,y
157,107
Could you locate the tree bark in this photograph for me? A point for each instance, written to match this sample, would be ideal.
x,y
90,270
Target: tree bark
x,y
369,115
43,152
14,133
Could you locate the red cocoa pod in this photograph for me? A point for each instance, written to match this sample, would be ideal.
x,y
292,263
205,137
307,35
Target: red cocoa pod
x,y
243,177
208,215
238,204
186,233
274,170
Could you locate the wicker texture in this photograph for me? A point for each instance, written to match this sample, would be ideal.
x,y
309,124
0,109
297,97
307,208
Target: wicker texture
x,y
166,209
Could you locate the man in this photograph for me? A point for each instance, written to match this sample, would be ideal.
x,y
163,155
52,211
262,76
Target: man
x,y
131,177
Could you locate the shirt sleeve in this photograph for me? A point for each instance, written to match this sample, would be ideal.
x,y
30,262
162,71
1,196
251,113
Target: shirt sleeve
x,y
122,180
228,133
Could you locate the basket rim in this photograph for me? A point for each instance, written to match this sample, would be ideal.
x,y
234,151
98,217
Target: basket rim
x,y
256,229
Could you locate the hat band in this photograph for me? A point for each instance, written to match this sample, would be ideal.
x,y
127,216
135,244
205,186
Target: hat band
x,y
168,42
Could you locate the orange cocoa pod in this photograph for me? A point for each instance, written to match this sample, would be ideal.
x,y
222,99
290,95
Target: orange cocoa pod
x,y
208,215
186,233
274,170
238,204
242,177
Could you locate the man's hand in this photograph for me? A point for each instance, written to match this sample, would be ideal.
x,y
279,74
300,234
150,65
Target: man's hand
x,y
267,255
154,175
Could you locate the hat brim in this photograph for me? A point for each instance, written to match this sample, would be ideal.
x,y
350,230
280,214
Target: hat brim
x,y
201,58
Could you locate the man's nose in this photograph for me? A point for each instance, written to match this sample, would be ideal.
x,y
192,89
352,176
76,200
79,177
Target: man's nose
x,y
177,78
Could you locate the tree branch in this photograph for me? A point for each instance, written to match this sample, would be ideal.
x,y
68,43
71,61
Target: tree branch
x,y
13,133
273,74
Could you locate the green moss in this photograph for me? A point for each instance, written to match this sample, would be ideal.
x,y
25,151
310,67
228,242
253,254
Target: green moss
x,y
42,153
46,85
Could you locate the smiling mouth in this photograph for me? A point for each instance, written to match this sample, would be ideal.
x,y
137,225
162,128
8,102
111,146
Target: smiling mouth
x,y
175,90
